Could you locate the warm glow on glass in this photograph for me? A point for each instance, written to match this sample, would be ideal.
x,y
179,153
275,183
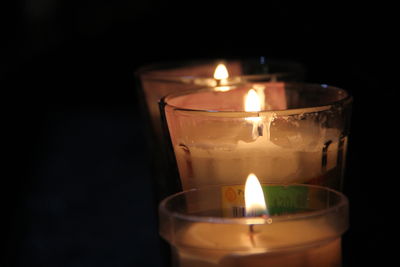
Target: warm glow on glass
x,y
254,197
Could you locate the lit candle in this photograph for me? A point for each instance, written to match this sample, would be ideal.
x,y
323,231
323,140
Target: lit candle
x,y
158,80
282,145
308,236
158,83
221,75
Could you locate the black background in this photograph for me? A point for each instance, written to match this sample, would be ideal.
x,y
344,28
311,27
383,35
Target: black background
x,y
75,188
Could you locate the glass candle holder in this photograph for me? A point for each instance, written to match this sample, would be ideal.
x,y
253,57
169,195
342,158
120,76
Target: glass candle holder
x,y
298,134
158,80
303,228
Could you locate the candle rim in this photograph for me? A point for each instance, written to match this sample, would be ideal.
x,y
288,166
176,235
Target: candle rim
x,y
166,65
346,100
342,204
233,79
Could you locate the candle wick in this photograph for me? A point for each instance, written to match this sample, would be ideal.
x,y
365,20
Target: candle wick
x,y
260,129
251,230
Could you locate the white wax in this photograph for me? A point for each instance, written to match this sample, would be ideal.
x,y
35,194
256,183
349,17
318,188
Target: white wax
x,y
295,244
212,162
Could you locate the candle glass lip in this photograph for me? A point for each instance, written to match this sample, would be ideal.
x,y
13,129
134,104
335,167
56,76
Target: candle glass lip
x,y
261,69
302,216
339,205
341,98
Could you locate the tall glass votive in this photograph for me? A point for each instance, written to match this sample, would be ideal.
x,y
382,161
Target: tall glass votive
x,y
296,133
303,228
158,80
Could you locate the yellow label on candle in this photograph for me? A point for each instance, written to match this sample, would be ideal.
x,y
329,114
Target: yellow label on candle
x,y
233,201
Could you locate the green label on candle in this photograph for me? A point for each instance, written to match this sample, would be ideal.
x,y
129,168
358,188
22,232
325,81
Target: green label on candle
x,y
279,199
286,199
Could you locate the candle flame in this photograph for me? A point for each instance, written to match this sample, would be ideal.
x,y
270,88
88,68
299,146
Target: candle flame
x,y
221,75
252,101
221,72
254,197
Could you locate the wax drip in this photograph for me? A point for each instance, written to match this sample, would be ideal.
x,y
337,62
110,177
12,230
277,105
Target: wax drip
x,y
324,160
187,159
257,127
251,230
